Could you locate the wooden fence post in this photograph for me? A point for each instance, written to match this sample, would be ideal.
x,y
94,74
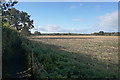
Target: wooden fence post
x,y
32,67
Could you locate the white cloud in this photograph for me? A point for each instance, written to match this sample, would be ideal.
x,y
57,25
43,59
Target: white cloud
x,y
51,28
56,29
109,21
47,28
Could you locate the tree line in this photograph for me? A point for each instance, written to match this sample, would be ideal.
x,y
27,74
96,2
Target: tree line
x,y
15,24
16,19
21,22
100,33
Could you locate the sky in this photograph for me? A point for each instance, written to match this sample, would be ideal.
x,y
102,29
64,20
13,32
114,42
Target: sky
x,y
72,17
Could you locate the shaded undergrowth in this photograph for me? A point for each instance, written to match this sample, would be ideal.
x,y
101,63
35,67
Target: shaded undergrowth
x,y
54,62
14,56
57,63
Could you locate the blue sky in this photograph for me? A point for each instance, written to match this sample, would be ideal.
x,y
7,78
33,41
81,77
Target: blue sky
x,y
74,17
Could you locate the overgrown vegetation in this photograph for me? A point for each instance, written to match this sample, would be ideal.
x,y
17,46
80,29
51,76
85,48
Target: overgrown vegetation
x,y
100,33
37,33
56,60
14,55
59,62
14,24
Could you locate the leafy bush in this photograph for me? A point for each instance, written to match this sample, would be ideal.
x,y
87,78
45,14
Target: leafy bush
x,y
37,33
60,64
13,53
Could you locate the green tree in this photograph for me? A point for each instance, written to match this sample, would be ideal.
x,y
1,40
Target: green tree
x,y
18,19
37,33
7,4
101,33
14,56
25,20
25,31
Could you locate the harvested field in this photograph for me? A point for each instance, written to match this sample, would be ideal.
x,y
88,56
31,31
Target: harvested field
x,y
99,54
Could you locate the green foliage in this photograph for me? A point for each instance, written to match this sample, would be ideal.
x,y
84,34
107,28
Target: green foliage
x,y
12,17
11,49
61,64
7,4
18,19
5,24
106,33
14,56
101,33
10,37
25,32
37,33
